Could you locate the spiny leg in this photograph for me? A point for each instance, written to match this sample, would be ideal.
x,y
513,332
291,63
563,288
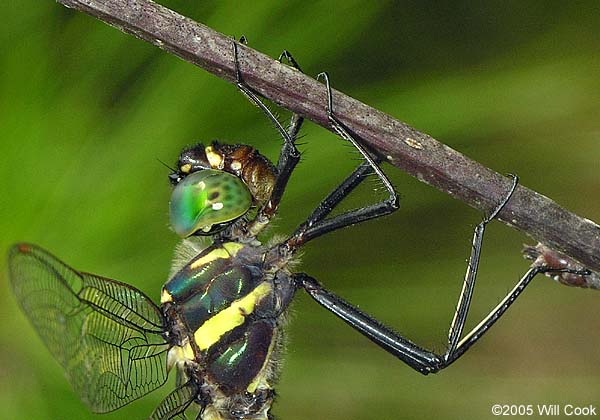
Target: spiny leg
x,y
477,332
296,121
418,358
414,356
317,224
289,158
462,308
289,155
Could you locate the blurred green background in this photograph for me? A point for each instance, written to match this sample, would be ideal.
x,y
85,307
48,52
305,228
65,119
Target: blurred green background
x,y
86,112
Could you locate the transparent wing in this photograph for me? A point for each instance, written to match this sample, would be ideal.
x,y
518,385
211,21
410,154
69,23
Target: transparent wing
x,y
107,335
174,404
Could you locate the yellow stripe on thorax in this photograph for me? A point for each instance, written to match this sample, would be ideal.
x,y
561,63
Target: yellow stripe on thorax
x,y
165,296
228,250
213,328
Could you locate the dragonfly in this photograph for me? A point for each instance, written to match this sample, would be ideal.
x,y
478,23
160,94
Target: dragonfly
x,y
222,315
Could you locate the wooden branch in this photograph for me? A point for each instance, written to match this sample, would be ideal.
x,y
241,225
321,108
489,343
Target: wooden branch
x,y
399,144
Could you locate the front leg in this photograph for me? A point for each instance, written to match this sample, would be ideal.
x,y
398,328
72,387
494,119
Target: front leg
x,y
289,155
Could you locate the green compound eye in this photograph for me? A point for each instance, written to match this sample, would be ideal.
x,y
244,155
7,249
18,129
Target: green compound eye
x,y
206,198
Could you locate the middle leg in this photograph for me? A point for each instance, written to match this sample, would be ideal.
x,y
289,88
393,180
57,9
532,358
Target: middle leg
x,y
317,223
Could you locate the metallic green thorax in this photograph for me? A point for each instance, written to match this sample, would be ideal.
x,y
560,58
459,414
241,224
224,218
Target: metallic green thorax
x,y
206,198
209,283
229,308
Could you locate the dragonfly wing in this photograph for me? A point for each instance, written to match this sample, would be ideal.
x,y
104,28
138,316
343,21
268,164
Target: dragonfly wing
x,y
174,404
107,335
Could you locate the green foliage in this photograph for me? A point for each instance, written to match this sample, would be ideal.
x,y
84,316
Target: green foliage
x,y
87,112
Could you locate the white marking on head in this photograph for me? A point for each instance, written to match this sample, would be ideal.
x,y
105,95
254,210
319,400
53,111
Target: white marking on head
x,y
214,158
236,165
217,206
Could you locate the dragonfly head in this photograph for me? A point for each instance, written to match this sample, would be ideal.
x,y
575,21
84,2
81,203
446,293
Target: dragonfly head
x,y
216,185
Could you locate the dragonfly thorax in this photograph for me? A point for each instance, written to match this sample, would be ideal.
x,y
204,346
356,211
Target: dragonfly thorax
x,y
229,309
